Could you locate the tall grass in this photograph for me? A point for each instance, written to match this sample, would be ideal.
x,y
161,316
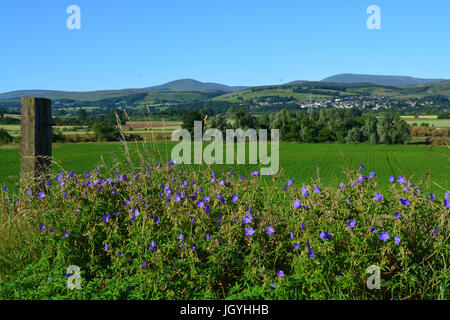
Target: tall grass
x,y
158,231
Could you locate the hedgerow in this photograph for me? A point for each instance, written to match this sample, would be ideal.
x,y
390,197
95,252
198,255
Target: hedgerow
x,y
166,233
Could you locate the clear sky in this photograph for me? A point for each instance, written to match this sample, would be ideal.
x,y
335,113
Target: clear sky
x,y
140,43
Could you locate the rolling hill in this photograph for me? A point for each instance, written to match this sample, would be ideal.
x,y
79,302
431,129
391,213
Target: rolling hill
x,y
301,90
379,79
177,85
194,85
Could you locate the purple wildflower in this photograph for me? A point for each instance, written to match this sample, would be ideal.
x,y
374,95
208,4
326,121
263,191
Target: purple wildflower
x,y
384,236
249,232
378,197
351,223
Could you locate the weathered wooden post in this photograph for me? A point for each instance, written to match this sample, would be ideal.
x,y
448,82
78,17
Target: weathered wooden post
x,y
36,144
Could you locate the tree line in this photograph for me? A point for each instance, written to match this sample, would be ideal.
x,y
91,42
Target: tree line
x,y
314,126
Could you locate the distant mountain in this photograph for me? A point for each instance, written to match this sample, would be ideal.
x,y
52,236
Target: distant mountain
x,y
396,81
191,84
177,85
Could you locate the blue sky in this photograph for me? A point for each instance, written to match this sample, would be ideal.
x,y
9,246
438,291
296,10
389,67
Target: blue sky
x,y
140,43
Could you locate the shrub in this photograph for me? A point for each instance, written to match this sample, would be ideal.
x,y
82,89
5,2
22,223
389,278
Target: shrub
x,y
5,137
163,233
104,131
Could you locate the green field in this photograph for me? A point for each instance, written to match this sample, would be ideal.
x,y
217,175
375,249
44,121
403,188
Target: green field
x,y
437,123
301,162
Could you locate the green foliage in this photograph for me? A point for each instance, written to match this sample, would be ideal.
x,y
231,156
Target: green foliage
x,y
110,227
105,131
5,137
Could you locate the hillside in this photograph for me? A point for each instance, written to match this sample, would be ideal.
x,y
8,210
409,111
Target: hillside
x,y
177,85
379,79
191,84
319,90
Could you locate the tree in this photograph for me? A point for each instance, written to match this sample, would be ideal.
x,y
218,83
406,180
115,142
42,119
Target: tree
x,y
188,121
325,135
5,137
369,130
105,131
355,135
242,119
218,122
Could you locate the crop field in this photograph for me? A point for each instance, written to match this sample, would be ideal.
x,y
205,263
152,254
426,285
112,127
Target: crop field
x,y
437,123
300,162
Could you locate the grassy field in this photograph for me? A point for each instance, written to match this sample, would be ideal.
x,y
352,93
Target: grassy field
x,y
432,122
301,162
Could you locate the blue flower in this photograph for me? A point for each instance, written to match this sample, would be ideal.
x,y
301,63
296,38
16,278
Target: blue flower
x,y
351,223
42,227
270,230
397,215
325,235
401,180
384,236
247,219
181,236
249,232
296,203
373,230
280,273
153,245
397,240
361,166
304,192
436,230
200,204
292,236
106,246
235,198
378,197
41,195
290,183
208,236
391,179
432,196
220,197
405,202
316,189
296,246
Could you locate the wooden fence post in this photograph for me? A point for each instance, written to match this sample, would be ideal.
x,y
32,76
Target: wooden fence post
x,y
36,143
